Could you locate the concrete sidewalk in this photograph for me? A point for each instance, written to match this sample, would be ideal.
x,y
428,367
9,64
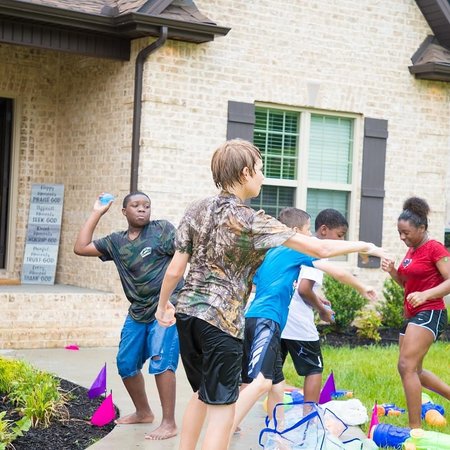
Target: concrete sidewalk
x,y
82,366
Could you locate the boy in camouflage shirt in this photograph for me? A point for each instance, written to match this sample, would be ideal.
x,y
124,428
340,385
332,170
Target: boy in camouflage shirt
x,y
224,241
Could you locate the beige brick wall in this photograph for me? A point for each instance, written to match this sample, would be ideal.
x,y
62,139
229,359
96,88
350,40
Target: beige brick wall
x,y
75,113
47,319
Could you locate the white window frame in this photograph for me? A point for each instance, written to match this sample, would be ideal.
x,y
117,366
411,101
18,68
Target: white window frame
x,y
353,188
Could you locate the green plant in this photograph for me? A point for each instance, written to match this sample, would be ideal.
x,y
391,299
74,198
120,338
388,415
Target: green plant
x,y
345,301
391,308
367,323
11,371
10,430
35,393
38,397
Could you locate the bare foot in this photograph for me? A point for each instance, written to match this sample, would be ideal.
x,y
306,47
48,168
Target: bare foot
x,y
164,431
135,418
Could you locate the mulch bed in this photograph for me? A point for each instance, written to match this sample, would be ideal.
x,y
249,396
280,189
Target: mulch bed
x,y
350,338
76,433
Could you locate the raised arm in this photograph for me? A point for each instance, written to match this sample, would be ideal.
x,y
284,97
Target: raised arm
x,y
327,248
165,313
344,276
83,245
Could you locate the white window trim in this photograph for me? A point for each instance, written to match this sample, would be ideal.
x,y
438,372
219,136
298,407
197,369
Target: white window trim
x,y
353,188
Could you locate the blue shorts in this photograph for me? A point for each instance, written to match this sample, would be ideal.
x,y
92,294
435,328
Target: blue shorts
x,y
141,341
262,350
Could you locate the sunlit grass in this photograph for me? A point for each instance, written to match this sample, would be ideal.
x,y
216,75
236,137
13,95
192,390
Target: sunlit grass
x,y
371,373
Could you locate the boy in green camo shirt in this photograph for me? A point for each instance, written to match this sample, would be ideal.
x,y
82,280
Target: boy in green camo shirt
x,y
141,254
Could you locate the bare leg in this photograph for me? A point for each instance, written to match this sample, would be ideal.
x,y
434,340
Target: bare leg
x,y
249,396
135,386
276,395
166,384
432,382
311,388
220,426
193,420
414,346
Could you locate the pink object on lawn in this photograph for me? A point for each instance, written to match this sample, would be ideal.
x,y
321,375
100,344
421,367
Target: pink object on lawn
x,y
105,413
373,419
72,347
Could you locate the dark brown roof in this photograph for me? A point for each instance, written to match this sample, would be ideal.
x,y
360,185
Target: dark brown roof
x,y
101,27
431,61
437,14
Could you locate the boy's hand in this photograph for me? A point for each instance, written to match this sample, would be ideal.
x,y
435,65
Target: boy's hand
x,y
369,293
166,317
326,314
373,250
101,207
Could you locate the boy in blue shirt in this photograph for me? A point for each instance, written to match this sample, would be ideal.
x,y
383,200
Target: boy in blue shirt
x,y
266,316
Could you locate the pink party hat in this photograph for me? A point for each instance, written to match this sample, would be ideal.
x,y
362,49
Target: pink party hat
x,y
105,413
327,390
374,419
99,385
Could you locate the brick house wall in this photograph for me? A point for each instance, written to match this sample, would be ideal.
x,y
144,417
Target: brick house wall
x,y
74,114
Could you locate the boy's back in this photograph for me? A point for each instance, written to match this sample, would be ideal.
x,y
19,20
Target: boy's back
x,y
227,241
275,283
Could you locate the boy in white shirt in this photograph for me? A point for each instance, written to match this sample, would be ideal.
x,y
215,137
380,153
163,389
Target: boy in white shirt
x,y
300,337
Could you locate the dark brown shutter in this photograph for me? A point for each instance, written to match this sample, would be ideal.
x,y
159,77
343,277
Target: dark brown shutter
x,y
241,120
372,186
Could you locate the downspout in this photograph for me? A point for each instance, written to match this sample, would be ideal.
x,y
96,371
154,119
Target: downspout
x,y
137,107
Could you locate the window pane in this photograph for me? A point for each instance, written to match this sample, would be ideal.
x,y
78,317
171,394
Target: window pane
x,y
330,149
272,199
276,135
319,199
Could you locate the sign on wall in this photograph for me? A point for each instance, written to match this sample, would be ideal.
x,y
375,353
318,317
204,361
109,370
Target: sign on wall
x,y
44,229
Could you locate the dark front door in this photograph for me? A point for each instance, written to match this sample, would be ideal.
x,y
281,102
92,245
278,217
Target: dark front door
x,y
6,109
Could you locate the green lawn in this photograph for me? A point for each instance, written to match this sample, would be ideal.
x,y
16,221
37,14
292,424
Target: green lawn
x,y
371,373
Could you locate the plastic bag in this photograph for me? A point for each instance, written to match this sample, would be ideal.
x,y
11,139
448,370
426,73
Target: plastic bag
x,y
299,425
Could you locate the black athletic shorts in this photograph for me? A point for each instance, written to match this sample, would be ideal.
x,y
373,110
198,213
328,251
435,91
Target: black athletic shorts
x,y
306,356
212,360
262,339
434,320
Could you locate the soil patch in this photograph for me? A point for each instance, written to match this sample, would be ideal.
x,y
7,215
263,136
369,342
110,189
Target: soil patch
x,y
350,338
76,433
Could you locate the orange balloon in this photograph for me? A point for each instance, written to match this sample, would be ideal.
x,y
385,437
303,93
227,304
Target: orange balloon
x,y
435,418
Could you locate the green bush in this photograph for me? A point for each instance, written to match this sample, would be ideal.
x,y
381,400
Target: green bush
x,y
35,394
391,307
367,323
10,431
345,301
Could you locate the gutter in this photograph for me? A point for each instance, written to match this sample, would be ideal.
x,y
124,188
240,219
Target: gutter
x,y
137,107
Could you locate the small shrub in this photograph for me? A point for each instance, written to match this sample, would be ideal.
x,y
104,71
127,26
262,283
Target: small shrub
x,y
345,301
36,394
367,323
391,308
38,397
9,430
